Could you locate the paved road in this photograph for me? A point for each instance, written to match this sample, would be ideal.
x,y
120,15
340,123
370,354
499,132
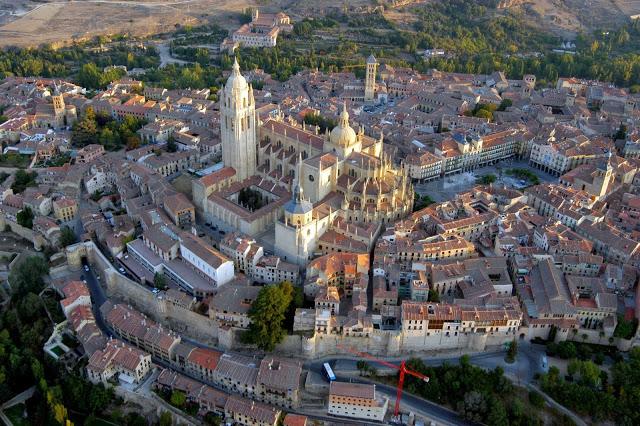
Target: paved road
x,y
20,398
526,366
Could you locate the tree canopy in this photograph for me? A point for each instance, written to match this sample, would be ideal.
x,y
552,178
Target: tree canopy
x,y
482,396
267,314
25,217
23,180
67,236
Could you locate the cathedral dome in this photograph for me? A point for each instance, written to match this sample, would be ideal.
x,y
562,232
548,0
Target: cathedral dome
x,y
343,134
236,81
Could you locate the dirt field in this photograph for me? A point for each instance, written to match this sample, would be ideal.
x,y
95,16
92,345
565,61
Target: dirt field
x,y
567,17
59,22
30,23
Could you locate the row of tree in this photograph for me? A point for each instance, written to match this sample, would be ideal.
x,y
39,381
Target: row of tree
x,y
66,62
487,397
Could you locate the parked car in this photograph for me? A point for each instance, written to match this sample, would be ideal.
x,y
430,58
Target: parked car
x,y
86,268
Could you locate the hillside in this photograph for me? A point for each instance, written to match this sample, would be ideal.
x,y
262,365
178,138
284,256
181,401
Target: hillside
x,y
30,22
567,17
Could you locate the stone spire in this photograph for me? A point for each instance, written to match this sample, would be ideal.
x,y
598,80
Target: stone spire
x,y
344,116
297,190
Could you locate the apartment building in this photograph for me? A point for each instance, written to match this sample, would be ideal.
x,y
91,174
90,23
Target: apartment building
x,y
358,401
250,413
180,210
610,243
207,398
249,258
65,209
278,381
230,306
141,331
559,153
89,153
451,325
117,358
424,166
546,301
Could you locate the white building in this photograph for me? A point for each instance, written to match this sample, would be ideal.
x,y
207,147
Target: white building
x,y
207,260
357,401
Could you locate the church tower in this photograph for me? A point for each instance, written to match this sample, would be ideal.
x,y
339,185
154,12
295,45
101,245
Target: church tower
x,y
602,177
297,235
58,102
238,125
370,79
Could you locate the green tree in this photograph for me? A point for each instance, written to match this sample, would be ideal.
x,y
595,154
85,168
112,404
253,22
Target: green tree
x,y
90,76
267,315
589,373
159,281
486,179
567,350
573,367
483,113
171,145
363,367
67,236
512,351
178,399
23,180
28,276
434,296
536,399
166,419
497,414
212,419
473,406
506,103
85,131
25,218
135,419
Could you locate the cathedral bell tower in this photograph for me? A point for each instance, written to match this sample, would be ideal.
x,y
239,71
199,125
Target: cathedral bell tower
x,y
370,79
238,124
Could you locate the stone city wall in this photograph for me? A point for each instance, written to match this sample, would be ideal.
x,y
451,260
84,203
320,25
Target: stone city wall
x,y
122,289
28,234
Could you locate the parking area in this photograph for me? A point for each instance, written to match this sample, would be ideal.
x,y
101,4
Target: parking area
x,y
446,188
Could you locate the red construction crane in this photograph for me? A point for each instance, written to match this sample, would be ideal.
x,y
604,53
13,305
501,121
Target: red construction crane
x,y
402,368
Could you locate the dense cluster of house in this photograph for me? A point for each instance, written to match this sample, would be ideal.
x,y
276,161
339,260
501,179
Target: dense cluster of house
x,y
333,213
142,343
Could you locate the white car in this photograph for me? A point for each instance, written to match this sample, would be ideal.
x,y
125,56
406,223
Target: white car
x,y
86,268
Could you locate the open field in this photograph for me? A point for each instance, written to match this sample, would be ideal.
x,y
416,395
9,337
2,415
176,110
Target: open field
x,y
568,17
27,23
30,23
58,22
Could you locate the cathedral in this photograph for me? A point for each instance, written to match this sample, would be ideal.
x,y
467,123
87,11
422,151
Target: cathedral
x,y
342,175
